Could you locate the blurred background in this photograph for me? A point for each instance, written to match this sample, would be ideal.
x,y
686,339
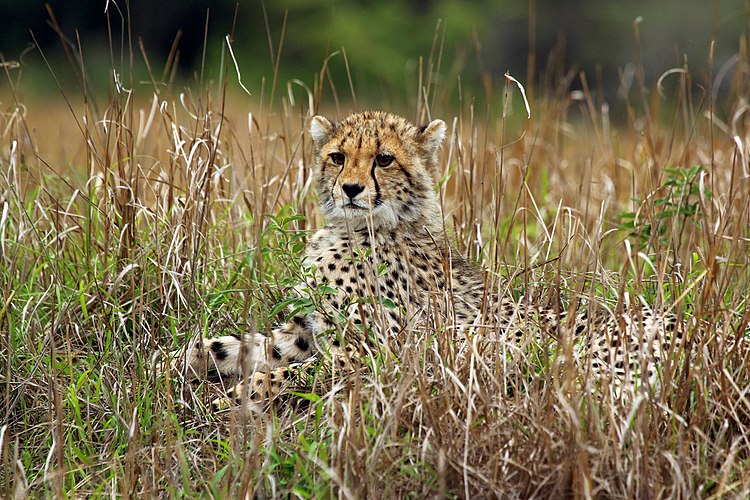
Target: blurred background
x,y
382,42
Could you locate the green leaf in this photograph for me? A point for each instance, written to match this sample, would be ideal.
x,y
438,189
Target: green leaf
x,y
387,303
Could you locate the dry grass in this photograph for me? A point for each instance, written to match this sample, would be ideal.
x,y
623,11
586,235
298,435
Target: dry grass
x,y
131,224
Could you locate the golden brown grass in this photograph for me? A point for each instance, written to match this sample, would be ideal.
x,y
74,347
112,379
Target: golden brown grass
x,y
131,224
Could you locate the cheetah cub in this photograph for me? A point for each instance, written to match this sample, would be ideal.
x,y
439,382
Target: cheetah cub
x,y
383,243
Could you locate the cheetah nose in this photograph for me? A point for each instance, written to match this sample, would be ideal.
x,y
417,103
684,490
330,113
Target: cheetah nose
x,y
352,190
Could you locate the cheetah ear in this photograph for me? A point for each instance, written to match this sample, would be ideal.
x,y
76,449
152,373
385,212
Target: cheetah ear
x,y
321,129
432,136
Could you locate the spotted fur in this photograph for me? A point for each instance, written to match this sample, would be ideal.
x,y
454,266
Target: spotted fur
x,y
385,253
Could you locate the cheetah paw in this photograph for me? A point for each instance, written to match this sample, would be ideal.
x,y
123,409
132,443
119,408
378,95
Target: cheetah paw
x,y
260,388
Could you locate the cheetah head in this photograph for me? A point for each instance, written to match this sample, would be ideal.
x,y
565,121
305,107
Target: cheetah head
x,y
377,169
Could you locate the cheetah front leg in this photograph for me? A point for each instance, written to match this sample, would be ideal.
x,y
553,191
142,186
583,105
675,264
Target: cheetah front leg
x,y
237,354
262,386
257,356
271,362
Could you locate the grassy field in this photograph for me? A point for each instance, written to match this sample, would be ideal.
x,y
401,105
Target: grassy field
x,y
131,224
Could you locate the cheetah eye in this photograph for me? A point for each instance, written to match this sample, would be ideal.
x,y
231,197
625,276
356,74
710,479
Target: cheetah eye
x,y
337,158
383,160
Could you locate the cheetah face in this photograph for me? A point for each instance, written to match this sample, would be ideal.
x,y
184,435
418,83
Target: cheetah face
x,y
375,169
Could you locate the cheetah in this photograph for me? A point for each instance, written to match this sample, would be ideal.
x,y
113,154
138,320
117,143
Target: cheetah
x,y
384,243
